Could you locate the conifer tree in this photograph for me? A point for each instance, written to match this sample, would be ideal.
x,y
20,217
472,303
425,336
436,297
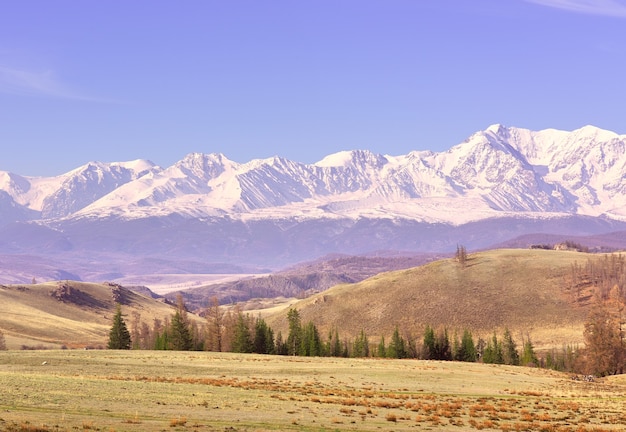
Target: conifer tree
x,y
381,350
361,345
510,355
528,357
180,338
119,336
242,342
334,344
467,349
493,351
397,347
429,352
442,346
263,338
281,346
311,342
294,339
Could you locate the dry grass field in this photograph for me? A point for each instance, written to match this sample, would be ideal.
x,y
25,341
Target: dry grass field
x,y
524,290
69,313
198,391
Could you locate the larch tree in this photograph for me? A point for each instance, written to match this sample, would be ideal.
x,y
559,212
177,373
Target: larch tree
x,y
119,336
215,325
3,342
605,350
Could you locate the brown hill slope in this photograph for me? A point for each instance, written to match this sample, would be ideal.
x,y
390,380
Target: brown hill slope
x,y
524,290
301,280
75,314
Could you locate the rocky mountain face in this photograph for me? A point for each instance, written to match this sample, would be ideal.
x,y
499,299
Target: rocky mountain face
x,y
499,182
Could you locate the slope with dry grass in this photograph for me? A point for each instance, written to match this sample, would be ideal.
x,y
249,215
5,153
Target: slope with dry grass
x,y
524,290
74,314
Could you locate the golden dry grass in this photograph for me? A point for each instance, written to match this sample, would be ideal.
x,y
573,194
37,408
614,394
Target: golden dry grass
x,y
524,290
156,391
32,316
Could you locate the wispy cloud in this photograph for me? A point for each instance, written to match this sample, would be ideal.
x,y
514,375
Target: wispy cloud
x,y
46,84
612,8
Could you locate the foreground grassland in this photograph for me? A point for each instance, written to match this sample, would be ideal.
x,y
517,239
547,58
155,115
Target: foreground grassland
x,y
200,391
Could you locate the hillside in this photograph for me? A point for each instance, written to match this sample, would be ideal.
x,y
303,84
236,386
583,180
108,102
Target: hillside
x,y
301,280
72,314
524,290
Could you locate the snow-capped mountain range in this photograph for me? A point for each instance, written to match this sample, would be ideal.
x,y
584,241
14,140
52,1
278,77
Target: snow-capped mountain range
x,y
501,173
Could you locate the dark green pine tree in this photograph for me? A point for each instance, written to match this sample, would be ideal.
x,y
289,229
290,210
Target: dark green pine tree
x,y
180,336
381,350
397,346
280,345
509,349
429,348
119,336
242,342
529,358
361,346
263,338
443,348
334,344
312,345
467,350
493,351
295,337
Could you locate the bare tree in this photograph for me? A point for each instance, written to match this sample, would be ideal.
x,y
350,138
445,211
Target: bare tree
x,y
605,350
3,342
215,325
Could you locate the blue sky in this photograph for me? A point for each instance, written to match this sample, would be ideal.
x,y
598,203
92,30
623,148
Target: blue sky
x,y
122,80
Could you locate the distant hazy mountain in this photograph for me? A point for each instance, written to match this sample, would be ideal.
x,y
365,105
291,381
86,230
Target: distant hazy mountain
x,y
498,184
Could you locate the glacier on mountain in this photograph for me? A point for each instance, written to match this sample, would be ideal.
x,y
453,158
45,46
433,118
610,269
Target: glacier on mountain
x,y
106,220
500,171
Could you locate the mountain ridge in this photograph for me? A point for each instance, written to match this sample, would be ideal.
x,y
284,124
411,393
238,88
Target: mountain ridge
x,y
494,172
499,183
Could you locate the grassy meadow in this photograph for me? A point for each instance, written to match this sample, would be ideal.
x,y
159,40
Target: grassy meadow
x,y
68,390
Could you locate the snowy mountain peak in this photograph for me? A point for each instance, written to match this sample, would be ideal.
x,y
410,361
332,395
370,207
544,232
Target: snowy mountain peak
x,y
500,170
497,129
352,158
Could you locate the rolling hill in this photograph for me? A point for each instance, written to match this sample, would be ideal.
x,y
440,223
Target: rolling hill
x,y
301,280
71,314
524,290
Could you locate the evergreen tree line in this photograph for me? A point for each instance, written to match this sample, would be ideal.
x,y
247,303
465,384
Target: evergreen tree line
x,y
234,331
